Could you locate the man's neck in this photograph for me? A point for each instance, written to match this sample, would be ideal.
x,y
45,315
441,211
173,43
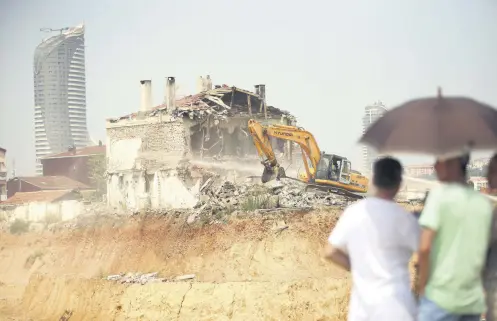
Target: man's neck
x,y
387,196
458,180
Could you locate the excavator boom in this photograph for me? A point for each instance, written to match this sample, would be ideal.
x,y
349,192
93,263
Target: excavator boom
x,y
261,135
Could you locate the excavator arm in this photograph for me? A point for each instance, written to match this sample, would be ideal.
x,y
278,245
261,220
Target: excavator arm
x,y
261,136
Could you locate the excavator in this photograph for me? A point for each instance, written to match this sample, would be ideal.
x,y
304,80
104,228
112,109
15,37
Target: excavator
x,y
323,171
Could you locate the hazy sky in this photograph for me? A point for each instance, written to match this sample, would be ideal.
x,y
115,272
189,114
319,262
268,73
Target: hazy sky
x,y
321,60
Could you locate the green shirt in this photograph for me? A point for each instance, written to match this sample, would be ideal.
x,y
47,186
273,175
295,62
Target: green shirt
x,y
461,217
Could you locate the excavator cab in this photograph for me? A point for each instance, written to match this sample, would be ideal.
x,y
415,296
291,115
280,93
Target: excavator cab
x,y
333,168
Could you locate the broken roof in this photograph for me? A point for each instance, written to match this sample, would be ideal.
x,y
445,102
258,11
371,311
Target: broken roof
x,y
53,182
80,152
39,196
220,102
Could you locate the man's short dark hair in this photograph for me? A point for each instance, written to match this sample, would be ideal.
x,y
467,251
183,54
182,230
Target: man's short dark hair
x,y
387,173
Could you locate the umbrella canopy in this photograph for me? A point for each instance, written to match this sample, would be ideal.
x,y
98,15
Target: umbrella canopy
x,y
434,126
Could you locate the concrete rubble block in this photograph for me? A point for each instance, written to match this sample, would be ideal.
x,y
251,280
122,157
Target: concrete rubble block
x,y
191,218
274,185
185,277
135,278
279,226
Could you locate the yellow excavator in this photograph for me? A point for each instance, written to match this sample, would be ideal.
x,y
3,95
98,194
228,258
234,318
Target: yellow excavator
x,y
328,172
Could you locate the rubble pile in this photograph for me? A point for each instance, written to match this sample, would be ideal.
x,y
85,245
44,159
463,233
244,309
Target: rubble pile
x,y
294,194
144,278
216,195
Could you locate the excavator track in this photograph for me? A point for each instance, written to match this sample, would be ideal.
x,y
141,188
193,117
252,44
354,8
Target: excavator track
x,y
329,189
336,190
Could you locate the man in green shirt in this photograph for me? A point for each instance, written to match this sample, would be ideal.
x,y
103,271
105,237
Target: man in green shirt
x,y
453,246
490,279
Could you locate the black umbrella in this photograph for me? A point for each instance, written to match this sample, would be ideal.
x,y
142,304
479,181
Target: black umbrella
x,y
434,125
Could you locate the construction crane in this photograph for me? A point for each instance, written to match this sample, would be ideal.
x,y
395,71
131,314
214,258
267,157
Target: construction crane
x,y
53,30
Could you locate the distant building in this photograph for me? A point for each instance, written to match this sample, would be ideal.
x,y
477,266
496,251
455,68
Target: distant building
x,y
44,196
419,170
73,163
371,114
60,94
42,183
3,175
479,163
478,183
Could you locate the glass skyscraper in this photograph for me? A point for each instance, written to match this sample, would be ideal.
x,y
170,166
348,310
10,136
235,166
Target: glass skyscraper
x,y
371,114
60,94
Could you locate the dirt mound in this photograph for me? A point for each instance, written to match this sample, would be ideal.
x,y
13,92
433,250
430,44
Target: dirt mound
x,y
258,268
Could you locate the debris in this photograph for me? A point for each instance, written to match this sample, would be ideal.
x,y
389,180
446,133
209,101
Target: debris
x,y
191,218
66,315
135,278
222,195
144,278
279,227
185,277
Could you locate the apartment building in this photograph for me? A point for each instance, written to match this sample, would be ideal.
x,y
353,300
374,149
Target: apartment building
x,y
372,113
60,94
3,175
419,170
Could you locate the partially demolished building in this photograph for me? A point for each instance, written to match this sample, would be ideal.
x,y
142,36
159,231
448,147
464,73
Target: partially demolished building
x,y
147,150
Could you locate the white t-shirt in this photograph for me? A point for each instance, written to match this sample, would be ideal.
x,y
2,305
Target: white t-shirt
x,y
380,238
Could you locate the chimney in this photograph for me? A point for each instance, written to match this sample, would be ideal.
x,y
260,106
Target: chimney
x,y
256,90
262,91
208,83
200,84
146,95
171,93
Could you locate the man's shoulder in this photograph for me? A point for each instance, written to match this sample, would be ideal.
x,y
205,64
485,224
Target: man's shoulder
x,y
456,191
476,196
369,203
356,208
460,196
439,190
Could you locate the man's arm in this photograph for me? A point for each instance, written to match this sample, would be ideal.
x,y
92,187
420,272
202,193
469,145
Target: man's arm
x,y
336,248
430,223
336,256
493,230
492,247
425,244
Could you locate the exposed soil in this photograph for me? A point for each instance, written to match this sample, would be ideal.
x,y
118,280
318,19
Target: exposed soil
x,y
247,269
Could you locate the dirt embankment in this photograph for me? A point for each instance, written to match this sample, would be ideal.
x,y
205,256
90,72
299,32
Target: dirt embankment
x,y
248,269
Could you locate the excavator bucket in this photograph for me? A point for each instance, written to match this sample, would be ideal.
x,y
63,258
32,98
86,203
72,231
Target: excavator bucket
x,y
271,173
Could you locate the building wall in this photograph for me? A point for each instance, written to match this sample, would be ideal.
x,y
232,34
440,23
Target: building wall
x,y
39,211
164,189
144,161
146,144
16,185
73,167
60,94
137,151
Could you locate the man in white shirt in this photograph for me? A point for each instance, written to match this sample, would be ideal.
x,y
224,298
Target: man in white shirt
x,y
375,239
